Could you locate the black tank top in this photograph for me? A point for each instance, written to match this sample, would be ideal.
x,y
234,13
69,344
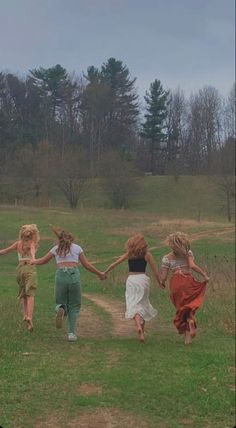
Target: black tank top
x,y
137,265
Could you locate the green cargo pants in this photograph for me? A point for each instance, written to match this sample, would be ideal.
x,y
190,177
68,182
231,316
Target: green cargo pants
x,y
68,294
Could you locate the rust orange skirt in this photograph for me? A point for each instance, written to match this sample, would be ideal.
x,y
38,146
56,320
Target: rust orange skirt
x,y
187,295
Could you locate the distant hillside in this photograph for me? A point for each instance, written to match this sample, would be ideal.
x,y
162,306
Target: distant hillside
x,y
194,197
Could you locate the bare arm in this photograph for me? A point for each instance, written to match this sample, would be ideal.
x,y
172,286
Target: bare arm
x,y
149,258
117,262
164,275
42,260
87,265
12,247
33,250
196,268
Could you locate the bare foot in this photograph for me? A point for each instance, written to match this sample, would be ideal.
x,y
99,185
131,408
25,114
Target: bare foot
x,y
141,334
24,319
192,328
187,338
30,325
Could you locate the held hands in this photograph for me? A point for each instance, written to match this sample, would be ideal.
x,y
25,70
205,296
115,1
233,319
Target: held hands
x,y
102,275
160,281
32,262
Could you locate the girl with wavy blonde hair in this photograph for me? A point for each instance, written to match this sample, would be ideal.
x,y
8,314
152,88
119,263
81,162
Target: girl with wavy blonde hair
x,y
138,306
186,293
26,247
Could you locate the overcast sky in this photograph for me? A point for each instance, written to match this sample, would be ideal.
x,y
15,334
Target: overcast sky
x,y
186,43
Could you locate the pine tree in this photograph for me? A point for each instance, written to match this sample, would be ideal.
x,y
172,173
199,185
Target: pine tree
x,y
123,106
153,128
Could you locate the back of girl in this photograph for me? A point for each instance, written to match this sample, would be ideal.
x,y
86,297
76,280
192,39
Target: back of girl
x,y
138,306
67,255
26,247
186,292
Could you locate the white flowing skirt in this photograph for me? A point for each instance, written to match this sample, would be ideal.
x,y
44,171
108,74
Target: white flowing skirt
x,y
137,297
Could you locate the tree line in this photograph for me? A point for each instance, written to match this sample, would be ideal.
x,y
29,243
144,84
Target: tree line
x,y
56,125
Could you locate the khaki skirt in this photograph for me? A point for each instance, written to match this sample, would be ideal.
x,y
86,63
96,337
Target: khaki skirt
x,y
27,280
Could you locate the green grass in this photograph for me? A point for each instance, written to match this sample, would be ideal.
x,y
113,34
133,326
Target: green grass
x,y
192,197
163,383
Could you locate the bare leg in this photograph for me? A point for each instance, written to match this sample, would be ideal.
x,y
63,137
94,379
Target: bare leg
x,y
192,328
143,326
30,308
187,338
138,323
24,308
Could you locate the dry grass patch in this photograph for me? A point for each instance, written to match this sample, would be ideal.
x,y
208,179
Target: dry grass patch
x,y
162,227
99,418
89,389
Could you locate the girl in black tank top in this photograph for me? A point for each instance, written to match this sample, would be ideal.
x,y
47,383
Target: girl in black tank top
x,y
137,265
138,306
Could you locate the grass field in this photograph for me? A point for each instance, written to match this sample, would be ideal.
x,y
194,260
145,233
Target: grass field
x,y
107,378
192,197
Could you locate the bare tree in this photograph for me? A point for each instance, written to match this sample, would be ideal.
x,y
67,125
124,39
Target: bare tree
x,y
211,124
204,129
193,152
118,180
70,174
225,163
229,114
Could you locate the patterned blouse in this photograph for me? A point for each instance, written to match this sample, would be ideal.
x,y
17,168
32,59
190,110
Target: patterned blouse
x,y
178,263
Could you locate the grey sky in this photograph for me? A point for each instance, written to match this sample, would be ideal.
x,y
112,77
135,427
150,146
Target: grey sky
x,y
189,43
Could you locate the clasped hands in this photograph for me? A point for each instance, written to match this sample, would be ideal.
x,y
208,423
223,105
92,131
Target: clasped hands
x,y
102,276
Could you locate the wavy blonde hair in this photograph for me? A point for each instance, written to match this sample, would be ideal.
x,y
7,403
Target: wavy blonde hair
x,y
65,239
179,243
136,247
29,232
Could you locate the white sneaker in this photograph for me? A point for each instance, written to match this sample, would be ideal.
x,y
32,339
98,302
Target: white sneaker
x,y
72,337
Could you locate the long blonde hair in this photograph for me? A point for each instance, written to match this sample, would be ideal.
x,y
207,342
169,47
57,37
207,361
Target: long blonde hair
x,y
65,240
179,243
136,247
29,232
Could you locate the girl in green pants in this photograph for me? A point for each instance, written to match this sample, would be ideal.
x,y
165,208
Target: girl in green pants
x,y
67,290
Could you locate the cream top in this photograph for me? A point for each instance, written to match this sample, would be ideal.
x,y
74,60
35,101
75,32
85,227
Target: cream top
x,y
177,263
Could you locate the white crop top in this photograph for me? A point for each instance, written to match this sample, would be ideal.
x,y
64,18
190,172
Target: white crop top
x,y
178,263
72,256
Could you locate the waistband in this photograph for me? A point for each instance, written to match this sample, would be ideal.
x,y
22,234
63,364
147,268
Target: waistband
x,y
68,269
136,273
26,266
180,272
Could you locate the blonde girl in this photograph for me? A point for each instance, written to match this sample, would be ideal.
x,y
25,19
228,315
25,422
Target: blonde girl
x,y
138,306
186,292
26,247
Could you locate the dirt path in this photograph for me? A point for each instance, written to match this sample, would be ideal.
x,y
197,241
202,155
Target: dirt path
x,y
212,233
92,325
120,326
